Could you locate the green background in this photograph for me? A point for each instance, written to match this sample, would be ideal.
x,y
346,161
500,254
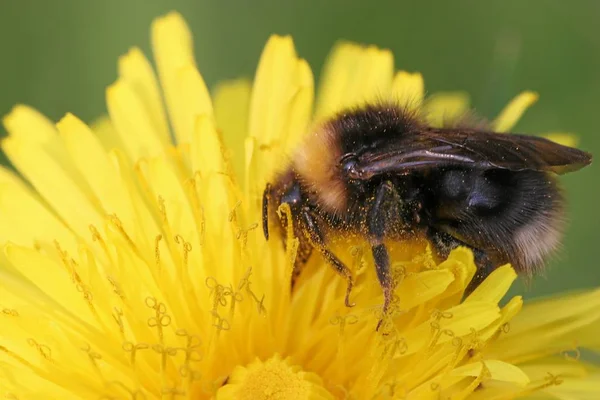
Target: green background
x,y
58,56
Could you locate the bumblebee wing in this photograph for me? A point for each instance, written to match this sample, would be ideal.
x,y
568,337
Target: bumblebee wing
x,y
465,147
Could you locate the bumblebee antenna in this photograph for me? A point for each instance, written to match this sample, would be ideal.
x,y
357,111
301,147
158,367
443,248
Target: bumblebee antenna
x,y
265,210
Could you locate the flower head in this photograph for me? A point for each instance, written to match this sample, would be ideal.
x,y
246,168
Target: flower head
x,y
132,266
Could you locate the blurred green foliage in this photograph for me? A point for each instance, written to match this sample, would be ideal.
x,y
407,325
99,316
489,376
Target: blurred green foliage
x,y
59,56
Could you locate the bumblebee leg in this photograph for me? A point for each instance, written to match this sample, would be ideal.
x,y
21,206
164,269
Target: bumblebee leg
x,y
376,223
316,237
265,210
382,266
444,243
305,249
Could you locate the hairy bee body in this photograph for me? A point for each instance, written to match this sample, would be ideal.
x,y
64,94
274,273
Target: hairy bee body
x,y
380,173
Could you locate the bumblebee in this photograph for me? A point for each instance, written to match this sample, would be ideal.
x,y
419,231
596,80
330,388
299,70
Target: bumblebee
x,y
381,173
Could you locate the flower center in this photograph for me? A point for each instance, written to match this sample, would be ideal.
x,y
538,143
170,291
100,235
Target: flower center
x,y
272,379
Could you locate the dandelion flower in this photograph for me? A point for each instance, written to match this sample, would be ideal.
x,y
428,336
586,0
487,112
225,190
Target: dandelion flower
x,y
132,266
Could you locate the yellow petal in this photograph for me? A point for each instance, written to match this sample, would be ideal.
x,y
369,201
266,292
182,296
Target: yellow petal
x,y
279,78
135,69
352,76
502,324
206,147
33,129
194,98
51,278
418,288
566,306
232,105
538,370
272,88
30,384
576,389
511,114
408,89
442,108
561,379
68,199
462,320
173,52
29,125
164,183
146,225
179,223
279,108
551,326
94,164
300,108
495,286
498,370
106,133
462,265
26,221
469,316
132,121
